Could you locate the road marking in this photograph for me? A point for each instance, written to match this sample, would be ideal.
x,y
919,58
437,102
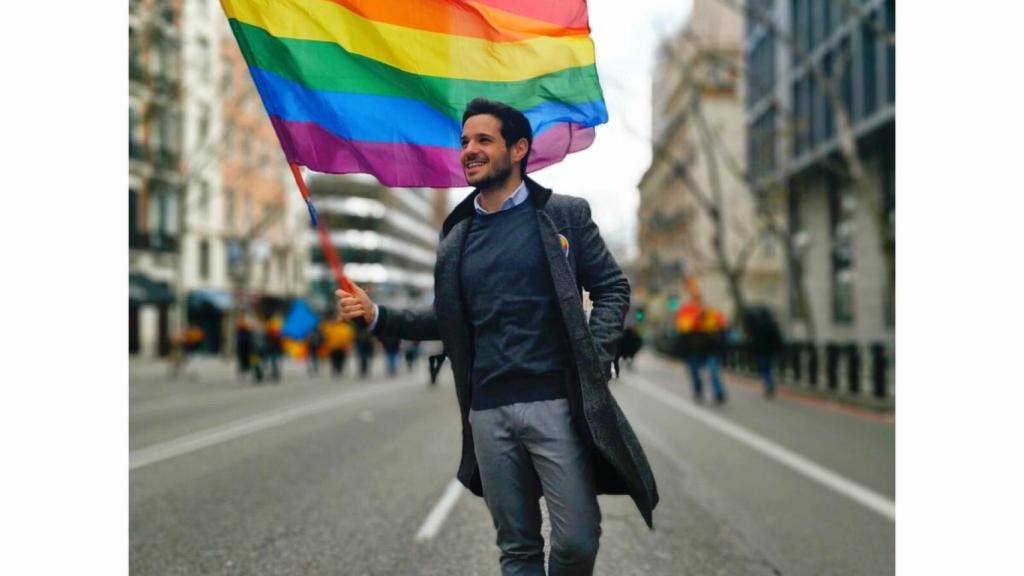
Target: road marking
x,y
864,496
432,525
206,438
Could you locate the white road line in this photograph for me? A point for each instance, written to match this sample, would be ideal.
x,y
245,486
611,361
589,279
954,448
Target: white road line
x,y
432,525
865,496
206,438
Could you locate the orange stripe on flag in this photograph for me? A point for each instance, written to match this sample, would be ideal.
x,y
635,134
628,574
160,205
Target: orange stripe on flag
x,y
473,19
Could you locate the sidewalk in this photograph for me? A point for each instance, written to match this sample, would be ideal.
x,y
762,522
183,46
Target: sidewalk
x,y
862,406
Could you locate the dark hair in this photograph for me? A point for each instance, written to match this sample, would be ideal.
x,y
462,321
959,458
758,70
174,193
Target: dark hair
x,y
514,124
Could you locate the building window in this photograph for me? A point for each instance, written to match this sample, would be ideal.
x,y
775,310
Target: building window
x,y
229,208
802,117
890,51
801,29
842,235
134,134
162,217
815,107
889,205
228,140
204,123
227,79
869,48
247,151
204,200
204,260
133,215
205,66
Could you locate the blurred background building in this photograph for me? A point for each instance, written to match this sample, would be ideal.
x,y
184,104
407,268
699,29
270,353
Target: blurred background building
x,y
217,228
155,172
803,56
697,215
386,237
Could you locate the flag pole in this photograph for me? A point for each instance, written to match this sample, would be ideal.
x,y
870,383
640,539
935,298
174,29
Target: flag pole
x,y
330,254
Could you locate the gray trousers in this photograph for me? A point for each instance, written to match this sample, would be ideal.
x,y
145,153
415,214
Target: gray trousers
x,y
526,450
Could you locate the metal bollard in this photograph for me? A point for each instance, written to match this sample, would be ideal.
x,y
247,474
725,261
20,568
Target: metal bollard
x,y
812,364
853,368
879,368
832,366
797,364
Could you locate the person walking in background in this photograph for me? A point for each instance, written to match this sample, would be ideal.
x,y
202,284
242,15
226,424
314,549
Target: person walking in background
x,y
392,347
243,346
338,337
365,347
259,350
314,341
764,341
701,333
412,353
275,347
531,370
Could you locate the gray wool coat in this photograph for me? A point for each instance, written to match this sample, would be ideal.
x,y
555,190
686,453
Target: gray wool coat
x,y
619,462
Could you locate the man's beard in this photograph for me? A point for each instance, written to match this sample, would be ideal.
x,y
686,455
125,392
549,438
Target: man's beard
x,y
496,177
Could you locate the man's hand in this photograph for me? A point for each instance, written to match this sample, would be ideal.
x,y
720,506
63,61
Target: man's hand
x,y
352,306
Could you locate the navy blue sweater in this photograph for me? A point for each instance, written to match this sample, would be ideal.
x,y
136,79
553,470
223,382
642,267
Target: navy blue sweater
x,y
520,346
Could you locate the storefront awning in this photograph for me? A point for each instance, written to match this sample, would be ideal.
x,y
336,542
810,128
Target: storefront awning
x,y
217,298
143,290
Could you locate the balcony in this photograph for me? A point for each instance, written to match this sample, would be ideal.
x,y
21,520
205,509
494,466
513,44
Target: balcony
x,y
161,242
136,151
165,84
136,72
166,159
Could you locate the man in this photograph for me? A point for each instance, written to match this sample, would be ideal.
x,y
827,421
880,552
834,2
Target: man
x,y
764,340
531,374
701,337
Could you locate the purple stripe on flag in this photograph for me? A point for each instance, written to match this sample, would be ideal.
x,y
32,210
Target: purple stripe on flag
x,y
559,140
398,164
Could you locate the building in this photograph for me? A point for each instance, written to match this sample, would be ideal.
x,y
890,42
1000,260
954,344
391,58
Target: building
x,y
695,188
843,235
386,237
217,226
257,249
155,173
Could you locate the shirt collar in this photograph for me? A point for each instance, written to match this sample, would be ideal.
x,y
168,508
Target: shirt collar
x,y
520,196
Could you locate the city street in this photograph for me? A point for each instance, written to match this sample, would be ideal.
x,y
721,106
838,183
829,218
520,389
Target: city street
x,y
321,476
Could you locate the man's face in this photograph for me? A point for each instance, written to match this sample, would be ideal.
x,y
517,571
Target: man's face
x,y
486,157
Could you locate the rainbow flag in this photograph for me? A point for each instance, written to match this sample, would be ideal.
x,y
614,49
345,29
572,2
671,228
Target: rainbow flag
x,y
379,86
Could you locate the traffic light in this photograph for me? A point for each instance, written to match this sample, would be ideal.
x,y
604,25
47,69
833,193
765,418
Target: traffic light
x,y
640,314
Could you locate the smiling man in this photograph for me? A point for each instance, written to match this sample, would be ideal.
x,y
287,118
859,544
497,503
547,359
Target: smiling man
x,y
531,371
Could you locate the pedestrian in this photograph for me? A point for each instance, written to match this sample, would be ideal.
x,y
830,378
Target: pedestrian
x,y
629,345
411,349
338,337
392,346
243,346
314,341
259,351
274,346
701,332
531,374
764,341
365,347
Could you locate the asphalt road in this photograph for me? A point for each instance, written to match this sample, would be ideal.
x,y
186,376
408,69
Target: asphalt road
x,y
315,476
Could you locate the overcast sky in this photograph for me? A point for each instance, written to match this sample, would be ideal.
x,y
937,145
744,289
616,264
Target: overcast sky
x,y
625,35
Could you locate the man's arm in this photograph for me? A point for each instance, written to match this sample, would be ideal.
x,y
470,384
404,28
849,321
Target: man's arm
x,y
608,288
404,324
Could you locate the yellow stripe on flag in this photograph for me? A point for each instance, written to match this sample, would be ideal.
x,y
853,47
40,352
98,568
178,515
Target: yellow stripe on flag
x,y
416,51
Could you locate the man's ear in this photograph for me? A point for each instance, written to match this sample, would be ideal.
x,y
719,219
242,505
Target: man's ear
x,y
519,149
